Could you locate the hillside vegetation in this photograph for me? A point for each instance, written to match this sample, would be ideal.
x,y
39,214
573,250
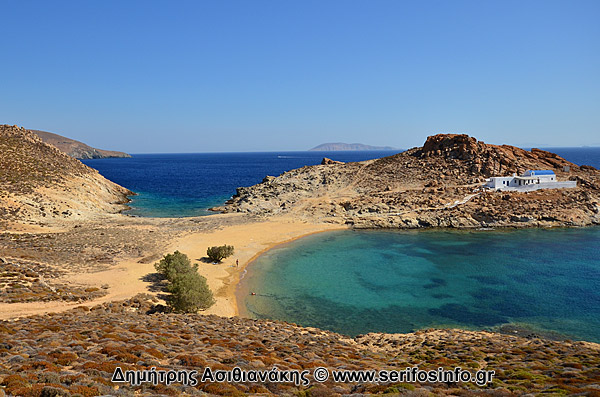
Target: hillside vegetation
x,y
78,351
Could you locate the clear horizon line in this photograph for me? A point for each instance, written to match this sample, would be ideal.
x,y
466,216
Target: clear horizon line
x,y
335,151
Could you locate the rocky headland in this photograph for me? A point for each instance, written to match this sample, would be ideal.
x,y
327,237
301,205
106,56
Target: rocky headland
x,y
76,149
437,185
41,185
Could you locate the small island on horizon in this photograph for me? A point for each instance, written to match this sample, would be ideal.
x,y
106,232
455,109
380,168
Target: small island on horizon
x,y
283,199
341,146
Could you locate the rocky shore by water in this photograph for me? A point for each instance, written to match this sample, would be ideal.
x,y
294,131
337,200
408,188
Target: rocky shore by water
x,y
42,186
437,185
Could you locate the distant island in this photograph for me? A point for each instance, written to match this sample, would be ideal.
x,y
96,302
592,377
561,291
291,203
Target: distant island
x,y
76,149
338,146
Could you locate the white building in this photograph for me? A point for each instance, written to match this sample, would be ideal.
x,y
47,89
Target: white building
x,y
530,180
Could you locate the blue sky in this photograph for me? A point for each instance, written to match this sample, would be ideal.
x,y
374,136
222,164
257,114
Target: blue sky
x,y
198,76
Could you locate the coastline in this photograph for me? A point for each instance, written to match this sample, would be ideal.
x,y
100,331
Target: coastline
x,y
250,240
514,325
240,292
128,276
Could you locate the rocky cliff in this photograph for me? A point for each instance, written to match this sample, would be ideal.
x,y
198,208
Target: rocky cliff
x,y
39,183
437,185
76,149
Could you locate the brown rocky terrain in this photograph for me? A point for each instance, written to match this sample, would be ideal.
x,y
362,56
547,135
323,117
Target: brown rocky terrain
x,y
76,353
27,281
40,184
437,185
76,149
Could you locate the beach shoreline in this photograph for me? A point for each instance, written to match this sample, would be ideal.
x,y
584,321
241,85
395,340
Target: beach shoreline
x,y
240,292
250,241
129,276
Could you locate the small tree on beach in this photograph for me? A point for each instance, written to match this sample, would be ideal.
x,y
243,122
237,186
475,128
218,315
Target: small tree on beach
x,y
173,264
218,253
190,293
188,290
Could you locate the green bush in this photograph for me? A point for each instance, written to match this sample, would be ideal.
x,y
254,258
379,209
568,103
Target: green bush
x,y
173,264
217,254
190,293
188,290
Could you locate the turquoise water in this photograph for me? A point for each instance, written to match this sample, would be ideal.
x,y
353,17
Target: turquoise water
x,y
355,282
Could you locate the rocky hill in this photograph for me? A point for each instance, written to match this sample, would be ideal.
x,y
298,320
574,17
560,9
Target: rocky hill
x,y
76,353
437,185
335,146
39,183
76,149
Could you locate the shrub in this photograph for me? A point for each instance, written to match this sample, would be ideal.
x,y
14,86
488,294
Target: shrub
x,y
217,254
173,264
188,290
190,293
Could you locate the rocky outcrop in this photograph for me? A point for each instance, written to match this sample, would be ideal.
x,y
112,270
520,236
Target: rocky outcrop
x,y
437,185
39,183
485,159
76,149
328,161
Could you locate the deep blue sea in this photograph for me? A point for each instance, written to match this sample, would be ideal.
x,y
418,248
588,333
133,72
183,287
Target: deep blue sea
x,y
177,185
395,281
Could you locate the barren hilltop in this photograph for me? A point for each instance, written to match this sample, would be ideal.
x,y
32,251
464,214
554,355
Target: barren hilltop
x,y
436,185
76,149
39,184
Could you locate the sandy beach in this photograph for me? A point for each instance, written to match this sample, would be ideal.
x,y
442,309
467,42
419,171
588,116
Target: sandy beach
x,y
250,241
127,277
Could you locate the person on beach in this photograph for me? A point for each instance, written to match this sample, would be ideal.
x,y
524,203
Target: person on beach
x,y
237,263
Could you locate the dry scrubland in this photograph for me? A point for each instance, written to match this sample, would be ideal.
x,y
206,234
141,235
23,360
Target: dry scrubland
x,y
77,352
64,248
42,186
